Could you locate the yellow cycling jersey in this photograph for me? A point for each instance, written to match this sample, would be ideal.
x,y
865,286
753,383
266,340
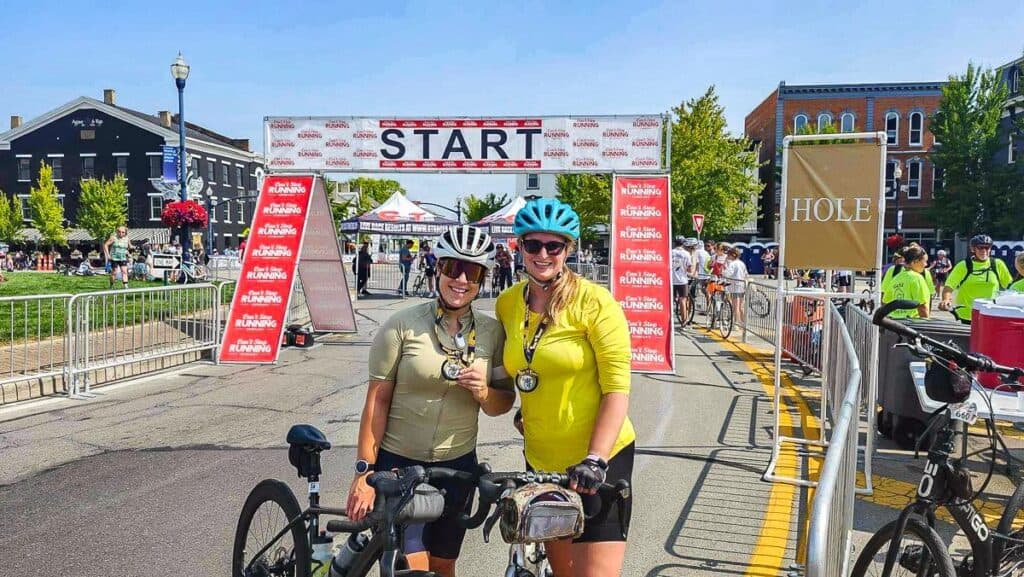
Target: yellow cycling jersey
x,y
582,357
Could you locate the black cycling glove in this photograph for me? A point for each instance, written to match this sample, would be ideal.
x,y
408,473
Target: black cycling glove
x,y
588,474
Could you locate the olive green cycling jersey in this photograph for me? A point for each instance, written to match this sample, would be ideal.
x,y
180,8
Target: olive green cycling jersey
x,y
431,418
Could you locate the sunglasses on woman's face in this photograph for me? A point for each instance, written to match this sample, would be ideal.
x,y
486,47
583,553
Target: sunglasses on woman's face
x,y
453,269
553,247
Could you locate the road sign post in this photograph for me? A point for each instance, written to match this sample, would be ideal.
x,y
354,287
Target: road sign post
x,y
698,223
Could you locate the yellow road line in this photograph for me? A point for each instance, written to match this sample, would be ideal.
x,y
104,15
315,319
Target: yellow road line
x,y
769,551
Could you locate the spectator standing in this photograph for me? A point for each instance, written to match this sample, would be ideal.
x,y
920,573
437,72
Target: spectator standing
x,y
504,272
405,259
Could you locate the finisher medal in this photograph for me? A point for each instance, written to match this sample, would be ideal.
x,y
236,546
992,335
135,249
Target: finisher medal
x,y
527,380
450,369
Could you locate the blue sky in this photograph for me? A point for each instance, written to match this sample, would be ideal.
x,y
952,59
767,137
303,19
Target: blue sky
x,y
257,58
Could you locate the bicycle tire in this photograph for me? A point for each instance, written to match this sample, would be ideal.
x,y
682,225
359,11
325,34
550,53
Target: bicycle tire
x,y
1013,507
759,304
712,313
873,553
282,497
692,309
725,319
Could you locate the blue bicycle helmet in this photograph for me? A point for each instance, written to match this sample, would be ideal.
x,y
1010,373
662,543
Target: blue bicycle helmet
x,y
547,215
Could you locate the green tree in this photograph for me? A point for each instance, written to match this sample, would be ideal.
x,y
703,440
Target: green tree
x,y
475,208
373,191
12,221
590,195
47,212
101,206
713,173
980,194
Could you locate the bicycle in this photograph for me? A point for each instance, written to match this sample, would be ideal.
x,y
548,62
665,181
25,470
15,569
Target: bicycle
x,y
867,301
758,301
720,311
288,549
913,543
191,272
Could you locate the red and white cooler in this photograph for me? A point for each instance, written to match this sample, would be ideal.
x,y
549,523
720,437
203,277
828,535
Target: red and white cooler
x,y
997,330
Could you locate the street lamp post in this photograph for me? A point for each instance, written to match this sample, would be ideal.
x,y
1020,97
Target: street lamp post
x,y
897,174
179,71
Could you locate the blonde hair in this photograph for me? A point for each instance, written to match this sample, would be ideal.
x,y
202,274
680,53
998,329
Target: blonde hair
x,y
563,292
1019,262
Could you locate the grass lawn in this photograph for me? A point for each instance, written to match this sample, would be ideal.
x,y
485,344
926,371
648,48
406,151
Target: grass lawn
x,y
39,319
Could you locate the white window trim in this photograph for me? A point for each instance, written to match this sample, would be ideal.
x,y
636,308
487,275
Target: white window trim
x,y
154,154
853,122
213,210
896,132
910,129
151,197
228,162
920,170
22,156
26,212
88,155
120,154
18,167
824,115
796,129
60,155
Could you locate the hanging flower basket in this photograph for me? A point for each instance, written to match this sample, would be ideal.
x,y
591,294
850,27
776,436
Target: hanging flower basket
x,y
894,241
184,212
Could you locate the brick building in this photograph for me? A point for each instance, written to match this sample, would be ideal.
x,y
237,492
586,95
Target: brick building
x,y
902,110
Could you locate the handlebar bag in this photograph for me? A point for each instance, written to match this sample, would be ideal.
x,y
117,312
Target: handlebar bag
x,y
426,506
947,383
538,512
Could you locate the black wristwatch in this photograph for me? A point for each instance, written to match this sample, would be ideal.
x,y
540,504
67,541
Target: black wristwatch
x,y
363,466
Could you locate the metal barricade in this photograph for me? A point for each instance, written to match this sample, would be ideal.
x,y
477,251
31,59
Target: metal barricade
x,y
33,335
224,267
110,329
759,311
831,514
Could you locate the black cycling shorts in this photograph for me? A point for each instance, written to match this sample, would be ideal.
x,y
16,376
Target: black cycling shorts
x,y
430,271
844,281
607,528
680,290
441,538
940,277
117,263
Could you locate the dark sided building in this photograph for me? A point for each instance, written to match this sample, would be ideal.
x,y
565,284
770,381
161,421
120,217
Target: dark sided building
x,y
1011,73
88,138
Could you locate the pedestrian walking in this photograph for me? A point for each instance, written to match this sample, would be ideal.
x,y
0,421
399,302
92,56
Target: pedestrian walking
x,y
115,250
940,270
362,264
405,259
433,368
568,348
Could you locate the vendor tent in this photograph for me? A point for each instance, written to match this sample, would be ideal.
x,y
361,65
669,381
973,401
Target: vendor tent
x,y
499,223
398,216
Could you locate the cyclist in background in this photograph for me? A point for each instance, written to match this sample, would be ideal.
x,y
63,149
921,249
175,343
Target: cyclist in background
x,y
717,266
910,284
433,368
977,277
701,258
682,270
568,348
428,261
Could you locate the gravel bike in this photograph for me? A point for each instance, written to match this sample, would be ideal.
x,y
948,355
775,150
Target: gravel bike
x,y
910,543
720,313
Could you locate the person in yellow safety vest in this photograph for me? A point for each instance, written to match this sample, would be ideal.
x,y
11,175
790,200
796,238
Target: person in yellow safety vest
x,y
977,277
899,267
910,284
1018,263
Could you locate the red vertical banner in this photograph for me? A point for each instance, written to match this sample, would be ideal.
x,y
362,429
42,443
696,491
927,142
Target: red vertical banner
x,y
257,315
641,266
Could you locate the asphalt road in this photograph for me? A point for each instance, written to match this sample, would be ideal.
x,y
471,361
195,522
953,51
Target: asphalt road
x,y
148,478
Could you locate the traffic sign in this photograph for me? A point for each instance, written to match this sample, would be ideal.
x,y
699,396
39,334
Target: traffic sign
x,y
698,222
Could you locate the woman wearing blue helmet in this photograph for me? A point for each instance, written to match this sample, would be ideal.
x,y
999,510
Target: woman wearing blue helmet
x,y
567,346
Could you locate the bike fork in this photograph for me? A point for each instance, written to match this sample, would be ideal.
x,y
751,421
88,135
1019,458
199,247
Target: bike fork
x,y
897,538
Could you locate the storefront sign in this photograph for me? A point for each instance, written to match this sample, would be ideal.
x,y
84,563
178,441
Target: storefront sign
x,y
620,144
257,315
641,268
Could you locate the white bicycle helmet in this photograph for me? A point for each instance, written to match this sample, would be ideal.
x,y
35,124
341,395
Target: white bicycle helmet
x,y
468,243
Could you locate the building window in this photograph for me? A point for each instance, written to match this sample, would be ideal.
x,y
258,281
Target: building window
x,y
892,127
916,128
240,211
846,122
88,167
24,169
213,210
824,121
224,175
156,166
799,122
914,179
128,205
26,210
156,206
938,179
1011,153
211,172
890,179
238,177
58,168
122,165
532,182
1014,80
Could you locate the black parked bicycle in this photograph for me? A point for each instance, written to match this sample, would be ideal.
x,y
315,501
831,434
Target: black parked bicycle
x,y
910,543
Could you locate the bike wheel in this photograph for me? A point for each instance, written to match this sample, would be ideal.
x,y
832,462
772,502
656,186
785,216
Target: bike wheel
x,y
920,545
269,508
759,304
1010,556
725,319
712,312
691,309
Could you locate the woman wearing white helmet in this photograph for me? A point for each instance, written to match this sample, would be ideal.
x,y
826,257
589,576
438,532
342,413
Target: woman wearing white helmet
x,y
433,367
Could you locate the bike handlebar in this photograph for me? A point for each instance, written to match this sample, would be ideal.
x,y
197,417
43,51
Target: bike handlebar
x,y
970,361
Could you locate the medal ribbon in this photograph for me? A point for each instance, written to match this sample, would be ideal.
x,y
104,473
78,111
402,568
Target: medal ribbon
x,y
531,348
464,357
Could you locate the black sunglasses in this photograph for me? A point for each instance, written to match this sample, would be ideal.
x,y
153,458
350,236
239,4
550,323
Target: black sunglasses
x,y
533,246
453,269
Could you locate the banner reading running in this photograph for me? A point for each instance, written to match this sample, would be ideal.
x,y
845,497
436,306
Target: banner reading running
x,y
641,268
257,315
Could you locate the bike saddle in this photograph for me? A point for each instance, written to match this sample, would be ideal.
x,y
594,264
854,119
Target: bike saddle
x,y
307,437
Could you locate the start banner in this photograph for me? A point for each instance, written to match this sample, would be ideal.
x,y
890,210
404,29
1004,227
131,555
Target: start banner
x,y
641,263
257,316
482,144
